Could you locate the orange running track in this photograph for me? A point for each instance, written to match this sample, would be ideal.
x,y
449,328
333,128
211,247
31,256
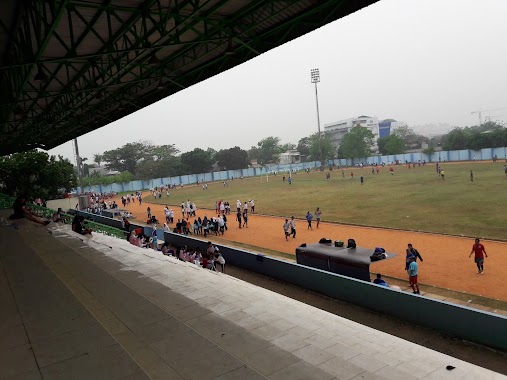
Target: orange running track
x,y
446,263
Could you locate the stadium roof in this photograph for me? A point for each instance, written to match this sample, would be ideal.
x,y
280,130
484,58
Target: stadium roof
x,y
68,67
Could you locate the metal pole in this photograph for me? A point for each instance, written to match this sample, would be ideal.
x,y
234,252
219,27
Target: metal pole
x,y
318,122
79,168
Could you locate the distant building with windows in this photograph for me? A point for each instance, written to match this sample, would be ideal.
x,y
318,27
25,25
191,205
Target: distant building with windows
x,y
388,126
290,157
335,131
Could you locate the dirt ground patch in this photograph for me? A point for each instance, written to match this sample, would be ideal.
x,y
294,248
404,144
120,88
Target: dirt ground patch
x,y
446,262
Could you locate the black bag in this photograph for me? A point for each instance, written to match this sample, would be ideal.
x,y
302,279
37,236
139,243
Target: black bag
x,y
377,255
325,241
351,243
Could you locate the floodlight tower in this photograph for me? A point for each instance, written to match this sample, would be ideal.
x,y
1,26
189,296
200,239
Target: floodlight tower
x,y
315,76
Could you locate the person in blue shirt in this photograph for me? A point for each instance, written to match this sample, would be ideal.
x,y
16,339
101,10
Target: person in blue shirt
x,y
380,281
309,218
413,271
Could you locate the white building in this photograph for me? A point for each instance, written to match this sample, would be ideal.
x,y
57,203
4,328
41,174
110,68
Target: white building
x,y
338,129
290,157
102,171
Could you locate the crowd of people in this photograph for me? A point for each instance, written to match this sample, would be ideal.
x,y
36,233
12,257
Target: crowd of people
x,y
209,258
127,199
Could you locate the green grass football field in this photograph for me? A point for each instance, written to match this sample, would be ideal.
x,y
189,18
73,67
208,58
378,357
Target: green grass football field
x,y
411,199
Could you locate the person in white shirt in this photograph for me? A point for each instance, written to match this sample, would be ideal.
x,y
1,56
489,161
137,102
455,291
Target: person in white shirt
x,y
286,227
221,223
245,207
166,228
252,206
238,206
292,227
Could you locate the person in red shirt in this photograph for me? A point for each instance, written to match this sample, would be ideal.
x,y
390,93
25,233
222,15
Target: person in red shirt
x,y
480,252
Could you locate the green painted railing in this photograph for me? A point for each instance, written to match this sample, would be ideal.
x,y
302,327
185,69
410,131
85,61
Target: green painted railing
x,y
103,229
44,212
6,202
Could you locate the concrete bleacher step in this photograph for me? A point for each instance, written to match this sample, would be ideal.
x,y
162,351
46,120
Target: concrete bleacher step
x,y
45,332
178,321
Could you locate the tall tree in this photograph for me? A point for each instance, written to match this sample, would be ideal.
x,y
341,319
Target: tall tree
x,y
392,144
36,174
253,153
269,150
356,144
410,139
98,158
161,152
287,147
165,167
303,148
212,153
197,161
456,139
232,158
126,158
322,149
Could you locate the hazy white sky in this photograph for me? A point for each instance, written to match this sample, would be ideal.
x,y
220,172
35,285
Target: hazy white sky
x,y
419,61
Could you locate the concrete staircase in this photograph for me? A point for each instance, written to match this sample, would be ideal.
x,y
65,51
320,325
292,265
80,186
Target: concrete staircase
x,y
111,310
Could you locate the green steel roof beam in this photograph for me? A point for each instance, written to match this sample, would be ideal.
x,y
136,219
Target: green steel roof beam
x,y
42,46
83,35
135,59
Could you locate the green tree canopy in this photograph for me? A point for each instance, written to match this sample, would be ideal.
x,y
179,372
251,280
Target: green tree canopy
x,y
232,158
328,151
269,149
456,139
197,161
165,167
98,158
126,158
253,153
356,144
410,139
98,179
487,135
36,174
392,144
303,148
161,152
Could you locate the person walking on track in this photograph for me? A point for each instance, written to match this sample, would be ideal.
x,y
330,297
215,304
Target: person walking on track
x,y
480,252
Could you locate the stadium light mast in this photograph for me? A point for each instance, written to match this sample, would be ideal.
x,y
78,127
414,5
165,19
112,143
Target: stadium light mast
x,y
315,77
